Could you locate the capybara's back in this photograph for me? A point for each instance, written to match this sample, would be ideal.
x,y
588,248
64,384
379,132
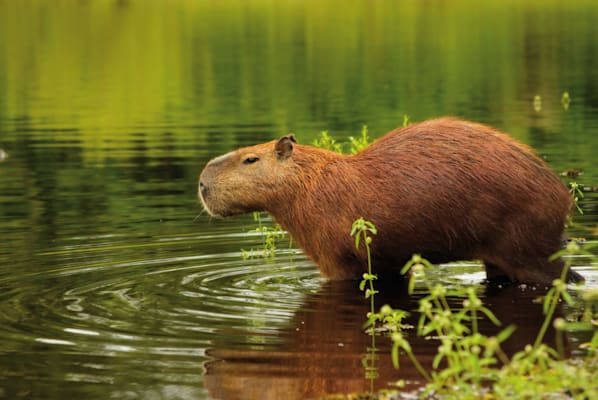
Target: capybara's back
x,y
459,190
447,189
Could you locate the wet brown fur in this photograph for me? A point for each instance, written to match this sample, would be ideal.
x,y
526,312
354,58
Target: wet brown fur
x,y
445,188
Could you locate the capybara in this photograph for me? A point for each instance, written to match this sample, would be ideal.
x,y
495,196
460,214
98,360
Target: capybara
x,y
445,188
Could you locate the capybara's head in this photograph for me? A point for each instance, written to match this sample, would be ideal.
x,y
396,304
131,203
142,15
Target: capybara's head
x,y
247,179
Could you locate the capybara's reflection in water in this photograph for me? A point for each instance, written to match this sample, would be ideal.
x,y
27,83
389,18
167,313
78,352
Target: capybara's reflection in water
x,y
322,350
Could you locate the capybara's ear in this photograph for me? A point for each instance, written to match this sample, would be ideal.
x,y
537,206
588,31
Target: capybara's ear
x,y
284,146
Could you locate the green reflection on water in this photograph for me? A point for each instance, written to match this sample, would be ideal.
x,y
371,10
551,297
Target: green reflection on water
x,y
102,67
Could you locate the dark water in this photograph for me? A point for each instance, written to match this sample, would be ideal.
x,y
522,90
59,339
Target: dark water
x,y
113,284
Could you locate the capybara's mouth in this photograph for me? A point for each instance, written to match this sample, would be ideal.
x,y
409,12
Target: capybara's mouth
x,y
202,193
211,212
212,209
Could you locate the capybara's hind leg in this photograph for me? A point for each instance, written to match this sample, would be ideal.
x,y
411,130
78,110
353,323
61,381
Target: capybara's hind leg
x,y
526,262
495,274
545,271
552,270
534,271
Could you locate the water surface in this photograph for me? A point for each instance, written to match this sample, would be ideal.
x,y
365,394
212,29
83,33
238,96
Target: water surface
x,y
115,284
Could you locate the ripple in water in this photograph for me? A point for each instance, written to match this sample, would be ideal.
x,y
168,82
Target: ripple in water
x,y
174,317
105,311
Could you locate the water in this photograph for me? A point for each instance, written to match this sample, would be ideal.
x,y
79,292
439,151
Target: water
x,y
114,284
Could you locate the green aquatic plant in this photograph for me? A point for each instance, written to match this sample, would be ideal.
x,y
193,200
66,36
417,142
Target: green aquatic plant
x,y
576,194
557,293
467,357
540,368
469,364
327,142
270,235
362,231
359,143
356,144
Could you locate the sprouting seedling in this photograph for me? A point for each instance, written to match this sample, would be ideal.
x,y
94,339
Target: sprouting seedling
x,y
360,143
327,142
576,194
362,230
270,236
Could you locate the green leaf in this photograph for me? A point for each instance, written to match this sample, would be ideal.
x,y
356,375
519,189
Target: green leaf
x,y
362,285
490,316
437,360
548,300
411,287
406,346
558,255
395,356
567,297
506,333
581,326
357,237
407,267
369,277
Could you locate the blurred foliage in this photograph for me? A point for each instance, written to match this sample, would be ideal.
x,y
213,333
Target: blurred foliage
x,y
104,67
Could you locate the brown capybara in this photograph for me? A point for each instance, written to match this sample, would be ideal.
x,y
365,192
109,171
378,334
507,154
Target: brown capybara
x,y
447,189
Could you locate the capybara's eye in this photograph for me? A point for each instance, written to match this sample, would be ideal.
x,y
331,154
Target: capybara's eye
x,y
250,160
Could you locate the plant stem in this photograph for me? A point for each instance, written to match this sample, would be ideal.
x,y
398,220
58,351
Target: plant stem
x,y
371,281
558,287
419,367
547,320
